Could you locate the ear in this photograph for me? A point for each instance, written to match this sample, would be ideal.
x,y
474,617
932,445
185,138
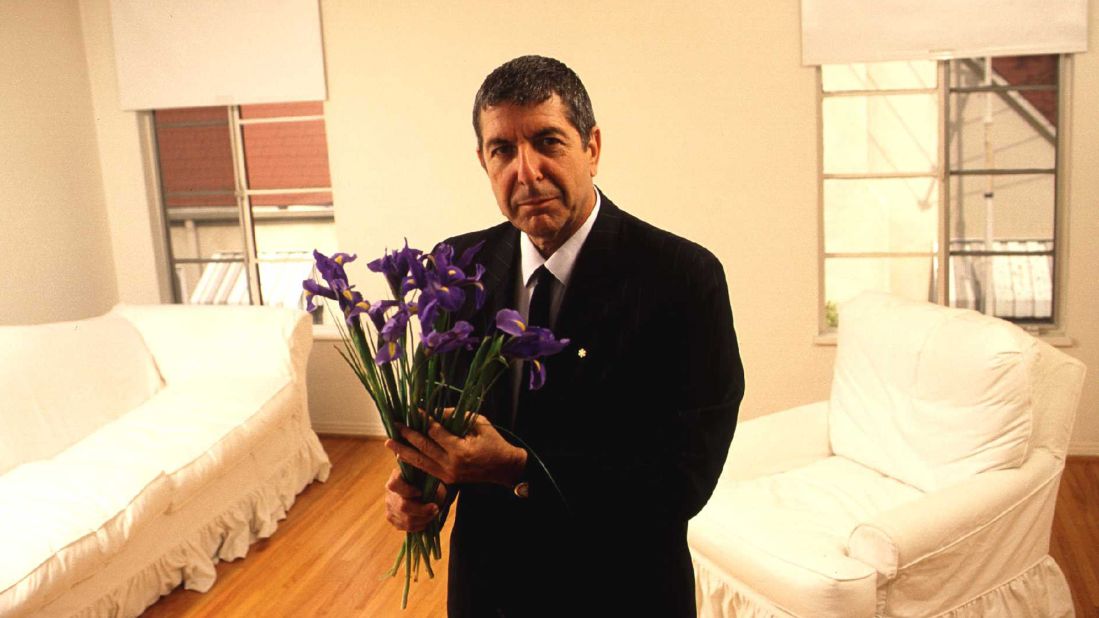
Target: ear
x,y
481,158
595,147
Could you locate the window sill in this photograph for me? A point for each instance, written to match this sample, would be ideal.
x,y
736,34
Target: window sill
x,y
326,333
1056,340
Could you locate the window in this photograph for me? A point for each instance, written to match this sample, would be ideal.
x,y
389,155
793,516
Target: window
x,y
939,183
247,197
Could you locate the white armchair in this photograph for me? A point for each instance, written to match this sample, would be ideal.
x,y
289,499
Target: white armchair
x,y
925,486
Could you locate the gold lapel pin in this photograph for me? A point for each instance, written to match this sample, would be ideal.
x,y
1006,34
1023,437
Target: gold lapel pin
x,y
582,353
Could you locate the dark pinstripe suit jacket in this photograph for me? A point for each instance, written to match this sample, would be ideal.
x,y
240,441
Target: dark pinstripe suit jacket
x,y
634,430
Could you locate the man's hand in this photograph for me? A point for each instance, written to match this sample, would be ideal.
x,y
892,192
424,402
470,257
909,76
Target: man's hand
x,y
481,456
403,508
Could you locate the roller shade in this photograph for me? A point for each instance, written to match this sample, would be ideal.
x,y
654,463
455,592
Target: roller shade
x,y
192,53
845,31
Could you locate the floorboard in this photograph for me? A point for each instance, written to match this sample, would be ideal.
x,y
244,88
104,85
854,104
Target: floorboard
x,y
328,556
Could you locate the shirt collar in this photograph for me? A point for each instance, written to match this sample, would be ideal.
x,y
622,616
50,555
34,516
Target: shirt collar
x,y
563,260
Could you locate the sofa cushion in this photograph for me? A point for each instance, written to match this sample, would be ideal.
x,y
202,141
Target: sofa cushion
x,y
785,534
73,516
89,500
929,395
198,429
98,366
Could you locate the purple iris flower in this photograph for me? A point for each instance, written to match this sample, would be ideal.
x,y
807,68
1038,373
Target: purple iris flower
x,y
511,322
529,343
537,374
458,337
388,352
351,302
442,288
397,266
378,310
312,289
535,342
332,268
394,327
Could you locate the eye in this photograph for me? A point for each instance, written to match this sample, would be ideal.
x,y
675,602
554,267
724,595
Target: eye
x,y
502,151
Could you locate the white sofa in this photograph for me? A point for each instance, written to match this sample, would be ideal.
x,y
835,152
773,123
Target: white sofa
x,y
140,447
924,487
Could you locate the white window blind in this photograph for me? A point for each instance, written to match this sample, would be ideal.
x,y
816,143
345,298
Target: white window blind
x,y
852,31
196,53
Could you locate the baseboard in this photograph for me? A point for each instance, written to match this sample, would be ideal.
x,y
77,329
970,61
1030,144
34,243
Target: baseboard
x,y
1089,448
349,429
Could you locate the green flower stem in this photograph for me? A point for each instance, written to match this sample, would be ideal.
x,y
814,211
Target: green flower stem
x,y
407,570
392,572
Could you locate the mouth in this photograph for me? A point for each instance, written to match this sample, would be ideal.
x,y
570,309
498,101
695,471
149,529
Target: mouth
x,y
535,202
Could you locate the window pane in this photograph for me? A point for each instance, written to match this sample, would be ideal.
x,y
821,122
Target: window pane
x,y
285,240
1019,135
1021,207
911,277
192,115
1021,285
881,215
280,278
215,283
1013,70
879,76
196,165
282,110
880,134
294,201
286,155
275,237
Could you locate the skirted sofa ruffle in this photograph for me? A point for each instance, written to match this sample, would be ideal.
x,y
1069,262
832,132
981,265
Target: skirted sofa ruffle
x,y
228,536
1033,593
139,448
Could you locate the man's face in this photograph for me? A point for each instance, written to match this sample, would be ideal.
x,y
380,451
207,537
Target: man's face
x,y
539,168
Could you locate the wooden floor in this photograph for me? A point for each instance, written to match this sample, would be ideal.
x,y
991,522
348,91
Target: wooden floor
x,y
328,556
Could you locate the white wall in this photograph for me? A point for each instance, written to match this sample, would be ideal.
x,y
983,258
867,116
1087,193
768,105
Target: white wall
x,y
136,233
55,251
709,130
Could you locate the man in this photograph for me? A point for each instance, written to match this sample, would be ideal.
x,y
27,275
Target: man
x,y
585,514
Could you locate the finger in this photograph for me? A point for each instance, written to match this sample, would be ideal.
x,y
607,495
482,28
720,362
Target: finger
x,y
439,435
424,444
397,485
410,515
417,459
403,452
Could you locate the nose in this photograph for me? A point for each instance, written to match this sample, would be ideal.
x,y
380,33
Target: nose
x,y
529,163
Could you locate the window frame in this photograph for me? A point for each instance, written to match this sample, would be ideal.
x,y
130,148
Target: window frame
x,y
245,216
1053,330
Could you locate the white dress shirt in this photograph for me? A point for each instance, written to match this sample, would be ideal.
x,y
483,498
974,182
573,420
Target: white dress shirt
x,y
560,264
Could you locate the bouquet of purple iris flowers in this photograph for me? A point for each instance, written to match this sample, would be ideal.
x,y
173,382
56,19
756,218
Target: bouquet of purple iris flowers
x,y
412,374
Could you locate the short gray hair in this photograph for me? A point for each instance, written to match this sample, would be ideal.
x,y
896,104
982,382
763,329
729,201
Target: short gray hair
x,y
531,80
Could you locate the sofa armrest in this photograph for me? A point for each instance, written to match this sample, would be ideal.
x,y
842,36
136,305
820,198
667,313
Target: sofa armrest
x,y
190,341
780,441
967,523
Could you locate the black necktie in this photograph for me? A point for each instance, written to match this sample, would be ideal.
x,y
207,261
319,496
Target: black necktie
x,y
539,312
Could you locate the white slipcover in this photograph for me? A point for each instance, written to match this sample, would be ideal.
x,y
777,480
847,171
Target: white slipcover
x,y
182,436
924,487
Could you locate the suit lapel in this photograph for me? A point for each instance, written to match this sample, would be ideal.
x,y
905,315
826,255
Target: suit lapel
x,y
500,261
594,271
589,298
